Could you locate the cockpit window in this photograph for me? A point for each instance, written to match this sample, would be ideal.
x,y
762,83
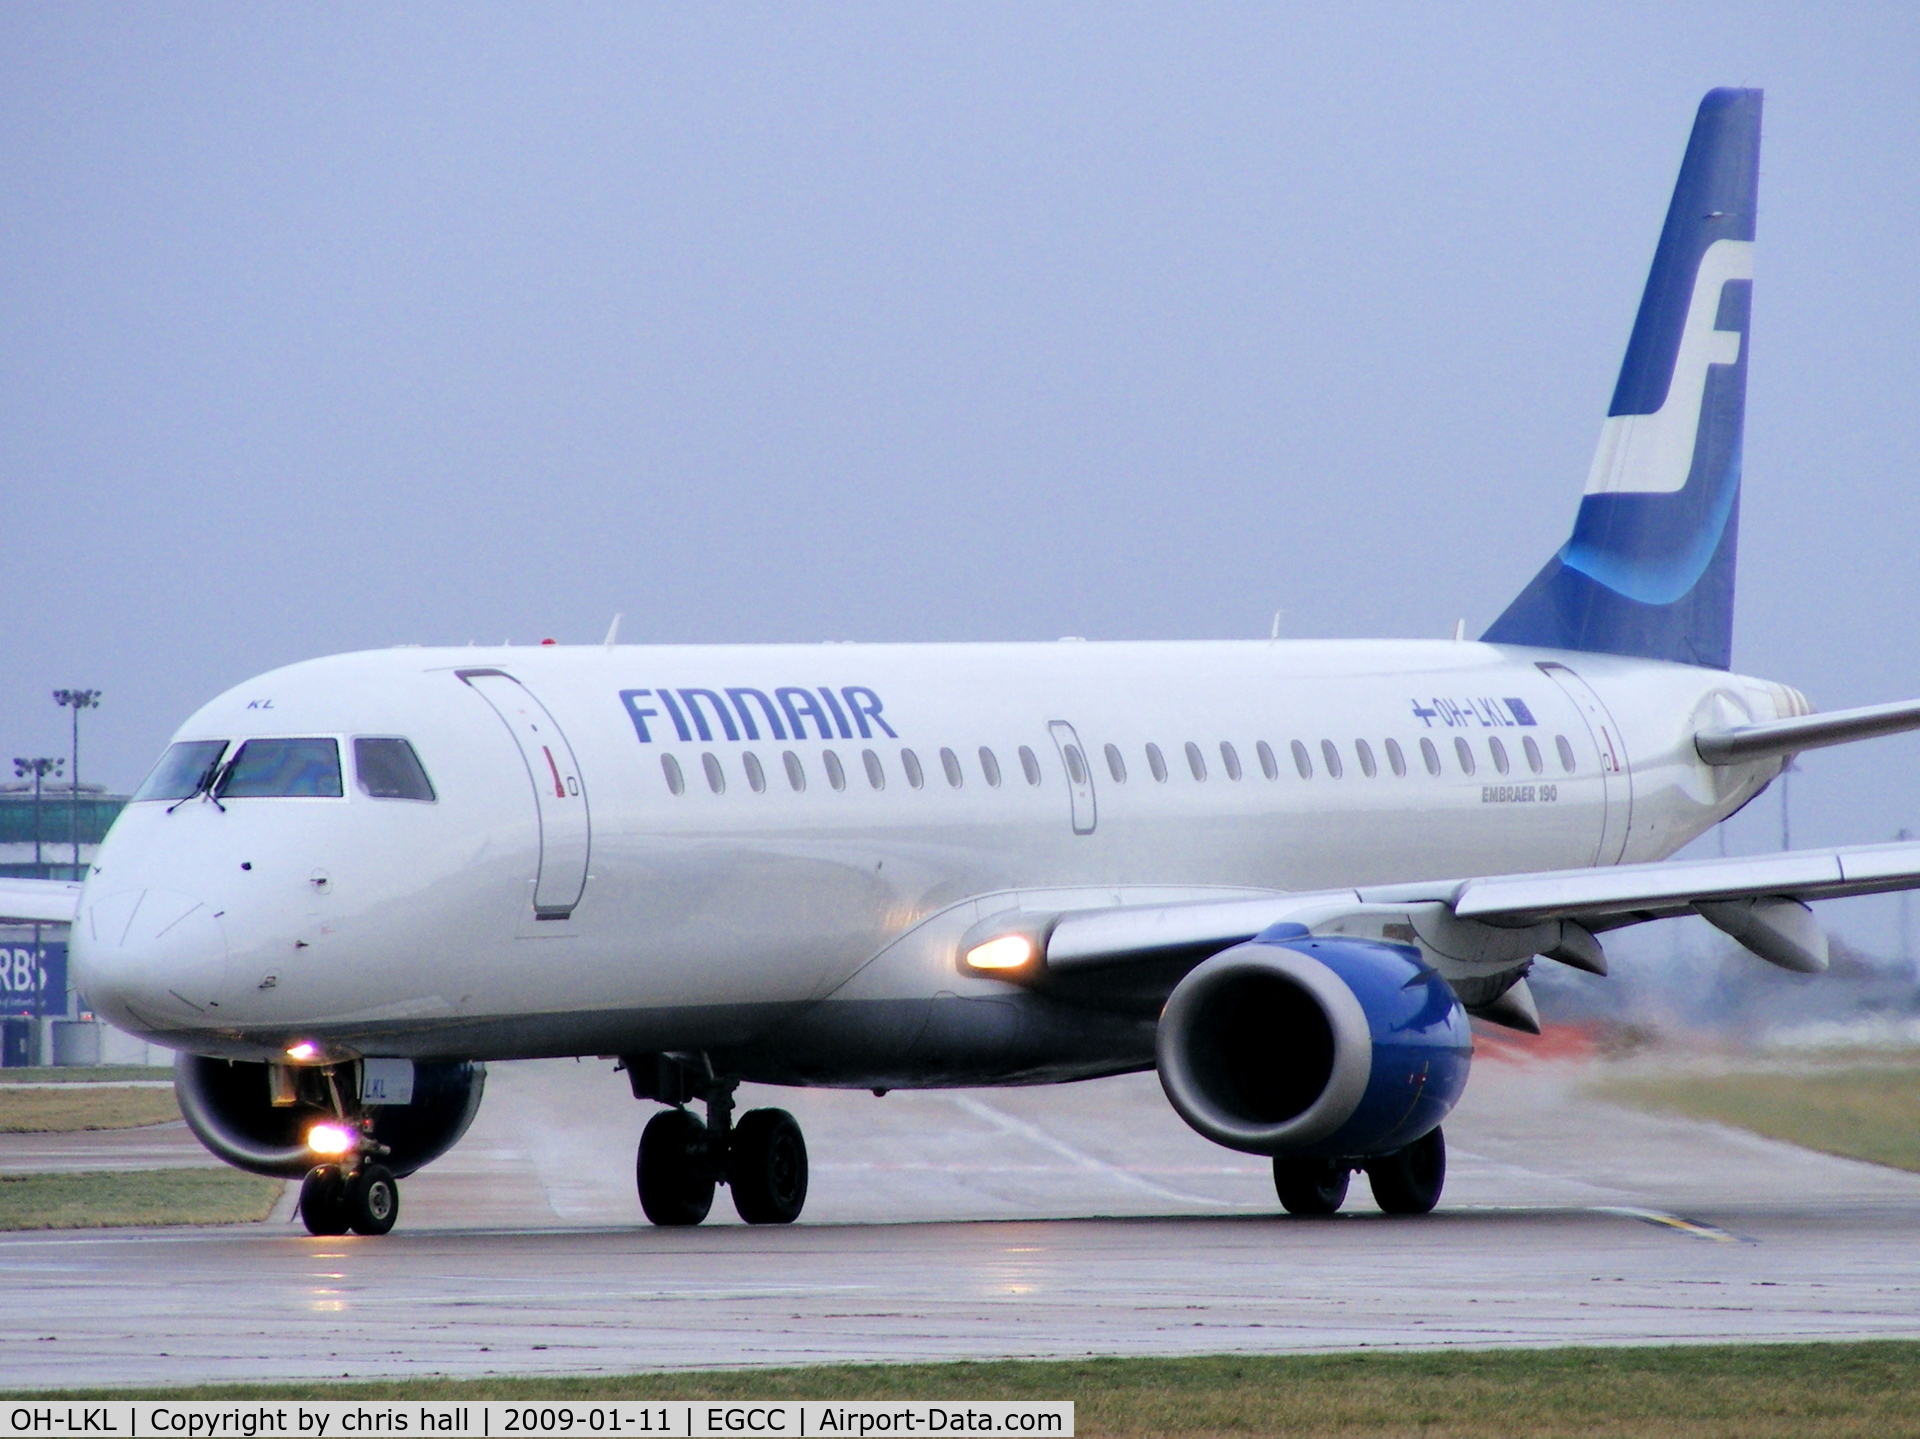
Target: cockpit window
x,y
184,770
283,768
389,769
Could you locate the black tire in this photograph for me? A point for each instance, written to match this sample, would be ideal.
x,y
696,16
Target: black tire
x,y
1310,1186
1409,1180
767,1167
676,1185
323,1201
373,1200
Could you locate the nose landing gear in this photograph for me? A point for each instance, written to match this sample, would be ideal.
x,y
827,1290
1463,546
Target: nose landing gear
x,y
334,1199
353,1191
762,1159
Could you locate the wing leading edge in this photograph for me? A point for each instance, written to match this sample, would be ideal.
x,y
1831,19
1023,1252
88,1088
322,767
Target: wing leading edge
x,y
1481,926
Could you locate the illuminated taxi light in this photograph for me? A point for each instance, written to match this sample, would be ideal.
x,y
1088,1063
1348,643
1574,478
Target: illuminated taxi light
x,y
305,1049
1010,951
330,1139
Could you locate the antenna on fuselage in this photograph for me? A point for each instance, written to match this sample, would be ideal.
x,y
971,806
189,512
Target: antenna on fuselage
x,y
613,632
1459,631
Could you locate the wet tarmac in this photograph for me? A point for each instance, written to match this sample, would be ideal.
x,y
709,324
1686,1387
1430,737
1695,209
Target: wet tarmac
x,y
1078,1220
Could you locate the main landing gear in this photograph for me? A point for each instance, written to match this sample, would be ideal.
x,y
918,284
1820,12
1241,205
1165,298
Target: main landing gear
x,y
762,1158
1408,1181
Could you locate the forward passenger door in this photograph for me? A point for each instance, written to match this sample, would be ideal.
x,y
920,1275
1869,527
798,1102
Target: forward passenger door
x,y
559,794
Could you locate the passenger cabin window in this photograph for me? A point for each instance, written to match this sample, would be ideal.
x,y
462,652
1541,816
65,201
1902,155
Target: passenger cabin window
x,y
389,769
990,766
1365,753
796,772
1230,757
1429,756
756,777
836,776
910,762
184,770
1076,766
1157,763
1332,756
1116,766
1301,760
1396,761
950,762
1499,753
876,772
1533,754
1566,752
1269,766
716,777
1464,753
670,767
1029,765
283,769
1196,761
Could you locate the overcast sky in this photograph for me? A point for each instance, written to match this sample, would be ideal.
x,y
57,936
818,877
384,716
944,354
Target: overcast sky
x,y
333,327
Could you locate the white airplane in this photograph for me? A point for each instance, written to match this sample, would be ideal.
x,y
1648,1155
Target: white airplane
x,y
1281,873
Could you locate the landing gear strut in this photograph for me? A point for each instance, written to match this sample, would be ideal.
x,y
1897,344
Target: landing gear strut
x,y
354,1192
762,1159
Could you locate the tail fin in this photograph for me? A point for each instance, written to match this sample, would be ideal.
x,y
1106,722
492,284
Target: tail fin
x,y
1649,569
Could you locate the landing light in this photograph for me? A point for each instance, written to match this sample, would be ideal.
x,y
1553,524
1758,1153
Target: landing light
x,y
331,1139
305,1049
1010,951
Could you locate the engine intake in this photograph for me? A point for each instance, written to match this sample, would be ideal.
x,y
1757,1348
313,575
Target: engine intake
x,y
1303,1047
229,1105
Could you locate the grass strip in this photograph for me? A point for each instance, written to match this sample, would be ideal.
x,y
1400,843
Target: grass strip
x,y
85,1074
134,1197
1866,1112
67,1110
1702,1392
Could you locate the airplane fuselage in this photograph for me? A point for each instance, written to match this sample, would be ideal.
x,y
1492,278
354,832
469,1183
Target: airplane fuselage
x,y
687,848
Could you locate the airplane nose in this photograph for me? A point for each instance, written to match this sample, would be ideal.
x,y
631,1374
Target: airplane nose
x,y
154,954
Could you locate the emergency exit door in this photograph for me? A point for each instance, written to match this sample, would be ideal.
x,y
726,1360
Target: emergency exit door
x,y
1616,775
559,794
1079,775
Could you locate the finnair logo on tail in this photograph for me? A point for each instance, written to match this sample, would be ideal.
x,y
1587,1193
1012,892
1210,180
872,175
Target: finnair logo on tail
x,y
1653,454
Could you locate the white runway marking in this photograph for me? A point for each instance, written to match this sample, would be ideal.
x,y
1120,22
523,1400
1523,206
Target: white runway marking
x,y
1081,1160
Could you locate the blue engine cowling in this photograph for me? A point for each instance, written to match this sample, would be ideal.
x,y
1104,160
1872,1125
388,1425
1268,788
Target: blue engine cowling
x,y
1313,1048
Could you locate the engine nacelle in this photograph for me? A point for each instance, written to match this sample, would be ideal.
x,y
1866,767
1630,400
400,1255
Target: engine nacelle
x,y
230,1105
1313,1048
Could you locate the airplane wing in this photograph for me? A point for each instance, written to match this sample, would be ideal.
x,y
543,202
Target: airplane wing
x,y
38,901
1483,922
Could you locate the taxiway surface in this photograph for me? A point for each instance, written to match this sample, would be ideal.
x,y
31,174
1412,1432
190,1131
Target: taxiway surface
x,y
1061,1222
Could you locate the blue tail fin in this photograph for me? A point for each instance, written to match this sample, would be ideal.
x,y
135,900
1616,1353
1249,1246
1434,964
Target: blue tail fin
x,y
1649,570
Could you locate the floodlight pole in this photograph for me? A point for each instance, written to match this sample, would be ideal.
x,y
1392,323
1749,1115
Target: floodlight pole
x,y
76,700
39,768
1906,917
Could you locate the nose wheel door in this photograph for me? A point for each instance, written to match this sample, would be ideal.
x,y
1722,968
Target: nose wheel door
x,y
560,795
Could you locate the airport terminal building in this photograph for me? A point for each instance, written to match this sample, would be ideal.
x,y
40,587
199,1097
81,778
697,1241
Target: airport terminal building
x,y
41,1020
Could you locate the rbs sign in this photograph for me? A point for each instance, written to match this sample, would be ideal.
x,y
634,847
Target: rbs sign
x,y
33,981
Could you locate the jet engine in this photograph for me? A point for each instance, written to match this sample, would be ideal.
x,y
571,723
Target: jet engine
x,y
1309,1048
256,1116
